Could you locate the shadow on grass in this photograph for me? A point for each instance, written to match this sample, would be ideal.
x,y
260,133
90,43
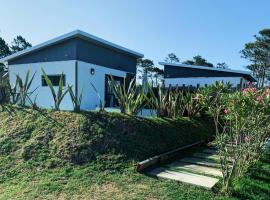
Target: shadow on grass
x,y
256,184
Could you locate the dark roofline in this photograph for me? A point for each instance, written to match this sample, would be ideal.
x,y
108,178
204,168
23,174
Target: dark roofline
x,y
73,34
245,74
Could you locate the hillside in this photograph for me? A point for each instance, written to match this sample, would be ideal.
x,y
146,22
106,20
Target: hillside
x,y
90,155
81,137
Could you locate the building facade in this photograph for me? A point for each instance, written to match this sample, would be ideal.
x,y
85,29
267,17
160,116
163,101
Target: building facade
x,y
84,60
182,75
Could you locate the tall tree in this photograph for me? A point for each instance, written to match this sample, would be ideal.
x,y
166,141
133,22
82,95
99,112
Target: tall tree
x,y
199,61
158,75
172,58
4,51
222,65
19,43
144,67
258,53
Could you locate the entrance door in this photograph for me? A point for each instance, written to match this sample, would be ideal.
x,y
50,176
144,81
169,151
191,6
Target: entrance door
x,y
110,100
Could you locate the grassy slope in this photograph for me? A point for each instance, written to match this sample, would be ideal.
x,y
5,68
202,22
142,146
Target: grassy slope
x,y
49,155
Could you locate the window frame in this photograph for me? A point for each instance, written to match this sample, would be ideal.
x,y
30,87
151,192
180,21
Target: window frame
x,y
44,84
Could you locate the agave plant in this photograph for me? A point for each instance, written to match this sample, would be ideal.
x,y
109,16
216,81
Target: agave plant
x,y
15,96
176,103
159,101
23,93
76,100
192,104
130,98
101,103
60,93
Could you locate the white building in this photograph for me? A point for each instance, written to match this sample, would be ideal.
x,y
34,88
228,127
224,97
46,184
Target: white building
x,y
83,59
182,75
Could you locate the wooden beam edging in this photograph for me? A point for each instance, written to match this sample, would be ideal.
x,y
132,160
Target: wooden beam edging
x,y
163,157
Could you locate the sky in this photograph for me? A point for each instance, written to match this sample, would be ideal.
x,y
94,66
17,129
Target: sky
x,y
215,29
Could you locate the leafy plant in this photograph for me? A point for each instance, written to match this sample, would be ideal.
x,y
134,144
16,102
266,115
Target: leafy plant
x,y
4,91
241,120
60,94
101,103
158,102
191,103
131,99
23,88
76,100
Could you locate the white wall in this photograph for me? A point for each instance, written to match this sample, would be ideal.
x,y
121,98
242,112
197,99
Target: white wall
x,y
202,81
44,96
90,100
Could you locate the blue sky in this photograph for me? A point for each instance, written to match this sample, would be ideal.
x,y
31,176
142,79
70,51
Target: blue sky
x,y
215,29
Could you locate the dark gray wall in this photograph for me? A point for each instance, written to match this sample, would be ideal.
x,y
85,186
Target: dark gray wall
x,y
79,49
184,72
100,55
62,51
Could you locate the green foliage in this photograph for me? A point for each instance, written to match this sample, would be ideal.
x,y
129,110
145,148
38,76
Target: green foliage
x,y
18,44
76,100
101,103
72,137
199,61
241,120
159,102
23,88
257,52
172,58
60,94
4,91
174,103
4,48
40,152
131,99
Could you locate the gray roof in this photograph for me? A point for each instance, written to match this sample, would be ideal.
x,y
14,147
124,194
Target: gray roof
x,y
73,34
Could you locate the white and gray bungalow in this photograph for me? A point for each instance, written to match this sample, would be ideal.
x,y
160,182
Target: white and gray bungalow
x,y
182,75
83,59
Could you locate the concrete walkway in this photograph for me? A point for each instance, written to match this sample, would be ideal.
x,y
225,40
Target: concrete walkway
x,y
200,169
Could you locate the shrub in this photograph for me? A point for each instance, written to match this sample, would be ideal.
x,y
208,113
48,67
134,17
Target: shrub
x,y
242,127
131,99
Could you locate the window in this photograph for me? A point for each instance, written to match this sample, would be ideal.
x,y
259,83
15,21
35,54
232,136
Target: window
x,y
55,79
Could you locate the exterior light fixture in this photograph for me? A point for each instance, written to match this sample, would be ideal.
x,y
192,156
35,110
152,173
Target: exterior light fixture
x,y
92,71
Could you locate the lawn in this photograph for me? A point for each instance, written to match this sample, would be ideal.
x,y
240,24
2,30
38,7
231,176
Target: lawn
x,y
65,155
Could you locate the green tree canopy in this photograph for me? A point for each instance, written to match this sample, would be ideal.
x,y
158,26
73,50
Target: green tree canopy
x,y
258,53
172,58
19,43
199,61
222,65
4,51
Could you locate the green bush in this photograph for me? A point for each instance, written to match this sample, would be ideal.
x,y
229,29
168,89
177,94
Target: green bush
x,y
81,137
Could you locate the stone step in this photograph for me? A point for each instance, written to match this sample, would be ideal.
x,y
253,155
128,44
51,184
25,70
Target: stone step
x,y
206,156
201,161
195,168
185,177
210,151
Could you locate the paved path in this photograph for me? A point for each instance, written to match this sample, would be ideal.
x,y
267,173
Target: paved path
x,y
200,169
